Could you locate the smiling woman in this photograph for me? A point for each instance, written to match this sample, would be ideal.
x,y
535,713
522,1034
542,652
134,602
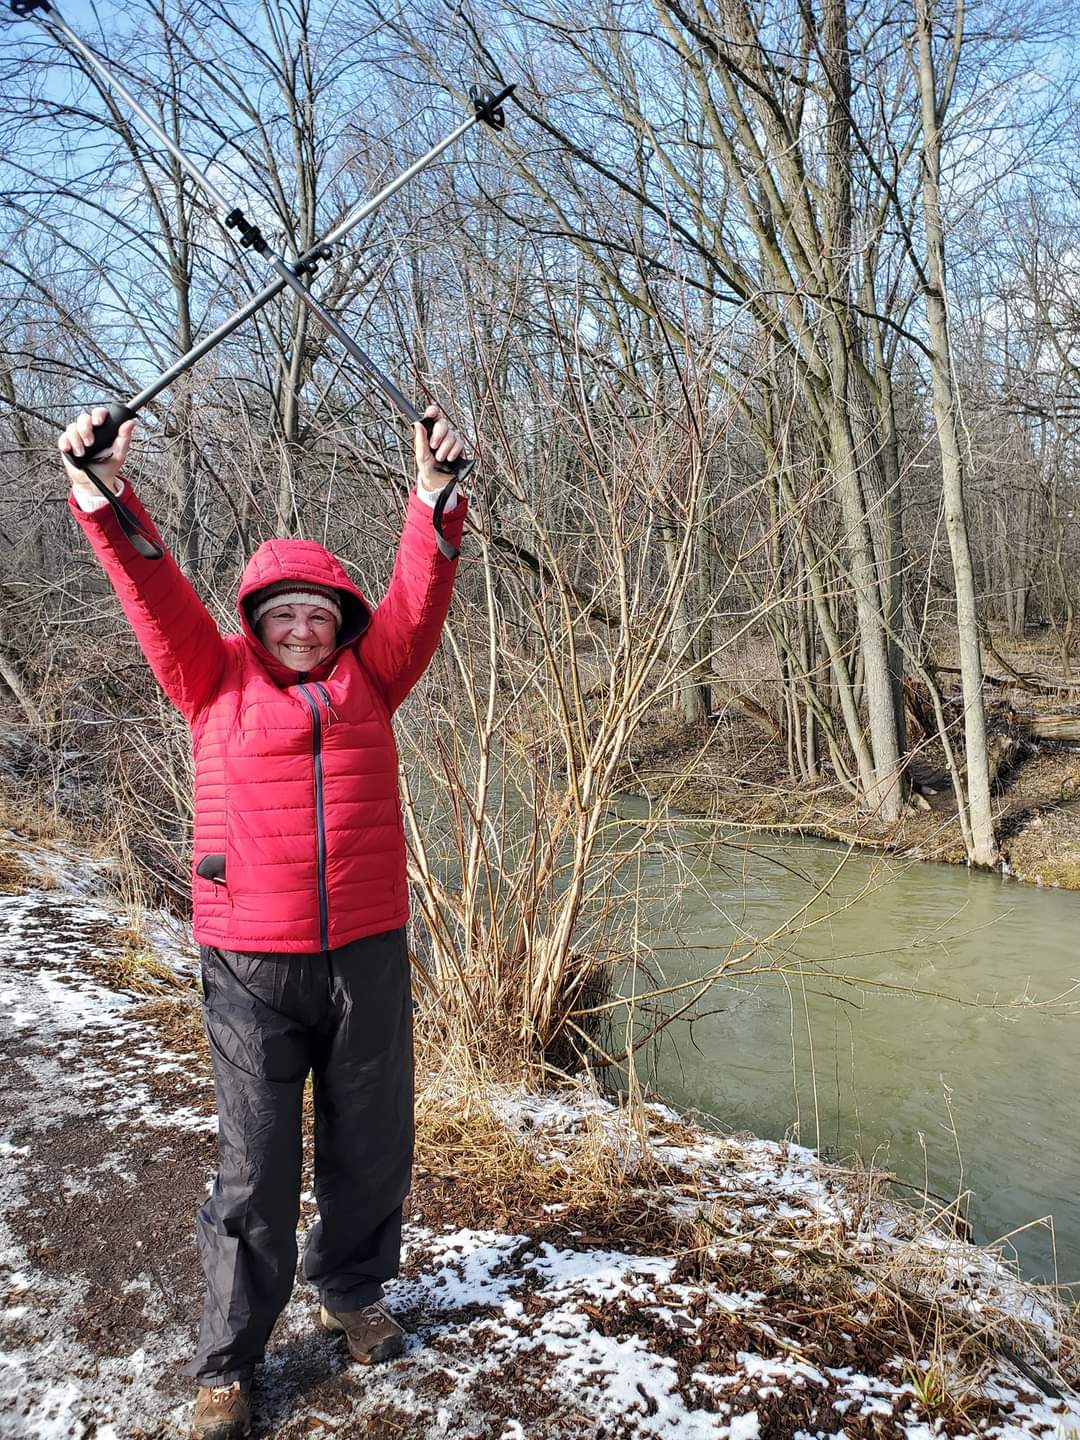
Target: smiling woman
x,y
300,898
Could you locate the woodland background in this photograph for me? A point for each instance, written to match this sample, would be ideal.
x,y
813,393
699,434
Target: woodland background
x,y
763,325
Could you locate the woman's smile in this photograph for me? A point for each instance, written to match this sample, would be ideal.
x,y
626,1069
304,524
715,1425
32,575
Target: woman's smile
x,y
300,636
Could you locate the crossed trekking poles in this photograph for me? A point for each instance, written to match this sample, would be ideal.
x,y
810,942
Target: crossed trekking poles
x,y
290,274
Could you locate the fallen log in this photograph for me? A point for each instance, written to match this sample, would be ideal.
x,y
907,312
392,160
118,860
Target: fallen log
x,y
1020,680
728,693
1050,727
1029,680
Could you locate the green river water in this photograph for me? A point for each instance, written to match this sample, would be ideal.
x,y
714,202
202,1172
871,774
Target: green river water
x,y
975,1093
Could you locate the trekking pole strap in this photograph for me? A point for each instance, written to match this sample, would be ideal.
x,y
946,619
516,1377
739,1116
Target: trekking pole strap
x,y
445,548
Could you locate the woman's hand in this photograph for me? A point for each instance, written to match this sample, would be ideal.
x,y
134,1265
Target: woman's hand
x,y
445,445
77,439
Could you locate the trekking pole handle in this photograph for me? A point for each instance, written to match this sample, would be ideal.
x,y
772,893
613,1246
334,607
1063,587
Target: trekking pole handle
x,y
104,435
458,468
454,470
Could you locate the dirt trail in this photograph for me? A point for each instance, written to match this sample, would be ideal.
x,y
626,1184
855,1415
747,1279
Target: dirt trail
x,y
107,1147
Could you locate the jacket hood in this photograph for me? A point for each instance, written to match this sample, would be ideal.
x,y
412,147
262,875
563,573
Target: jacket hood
x,y
309,563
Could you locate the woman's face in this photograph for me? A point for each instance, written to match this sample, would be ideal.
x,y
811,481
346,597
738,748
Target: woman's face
x,y
300,636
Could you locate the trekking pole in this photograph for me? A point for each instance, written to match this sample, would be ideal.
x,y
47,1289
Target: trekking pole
x,y
486,107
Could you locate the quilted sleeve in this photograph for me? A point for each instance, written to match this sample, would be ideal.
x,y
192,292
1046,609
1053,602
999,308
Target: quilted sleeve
x,y
404,631
174,629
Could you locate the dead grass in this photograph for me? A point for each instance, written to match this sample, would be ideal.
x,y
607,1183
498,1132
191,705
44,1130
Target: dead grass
x,y
136,967
1061,874
16,876
31,816
608,1179
177,1022
601,1182
593,1185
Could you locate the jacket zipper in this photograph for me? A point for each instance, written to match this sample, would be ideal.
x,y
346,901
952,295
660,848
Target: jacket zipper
x,y
320,812
331,713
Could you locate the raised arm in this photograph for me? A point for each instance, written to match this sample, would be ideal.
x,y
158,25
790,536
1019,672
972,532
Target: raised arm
x,y
398,644
174,629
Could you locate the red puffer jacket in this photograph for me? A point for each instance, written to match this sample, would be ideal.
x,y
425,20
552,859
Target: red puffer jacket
x,y
296,782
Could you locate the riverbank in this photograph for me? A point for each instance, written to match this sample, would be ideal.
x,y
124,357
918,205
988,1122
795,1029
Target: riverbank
x,y
570,1269
730,772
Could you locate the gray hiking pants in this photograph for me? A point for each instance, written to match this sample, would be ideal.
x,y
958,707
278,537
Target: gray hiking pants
x,y
345,1016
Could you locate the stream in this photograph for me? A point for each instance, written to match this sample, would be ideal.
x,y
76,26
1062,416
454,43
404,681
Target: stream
x,y
920,1016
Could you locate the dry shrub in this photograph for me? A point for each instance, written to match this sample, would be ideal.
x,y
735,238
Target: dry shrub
x,y
530,891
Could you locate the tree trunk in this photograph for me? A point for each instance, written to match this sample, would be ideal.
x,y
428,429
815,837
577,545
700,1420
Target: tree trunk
x,y
885,794
854,453
984,851
690,695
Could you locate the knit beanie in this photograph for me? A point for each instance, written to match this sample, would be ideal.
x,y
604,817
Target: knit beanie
x,y
294,592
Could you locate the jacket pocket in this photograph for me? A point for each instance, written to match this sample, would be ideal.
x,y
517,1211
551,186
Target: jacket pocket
x,y
212,868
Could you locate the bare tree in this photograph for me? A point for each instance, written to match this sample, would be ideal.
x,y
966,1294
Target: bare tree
x,y
982,844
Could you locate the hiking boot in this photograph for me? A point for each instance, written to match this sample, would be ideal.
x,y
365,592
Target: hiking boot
x,y
373,1334
222,1412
